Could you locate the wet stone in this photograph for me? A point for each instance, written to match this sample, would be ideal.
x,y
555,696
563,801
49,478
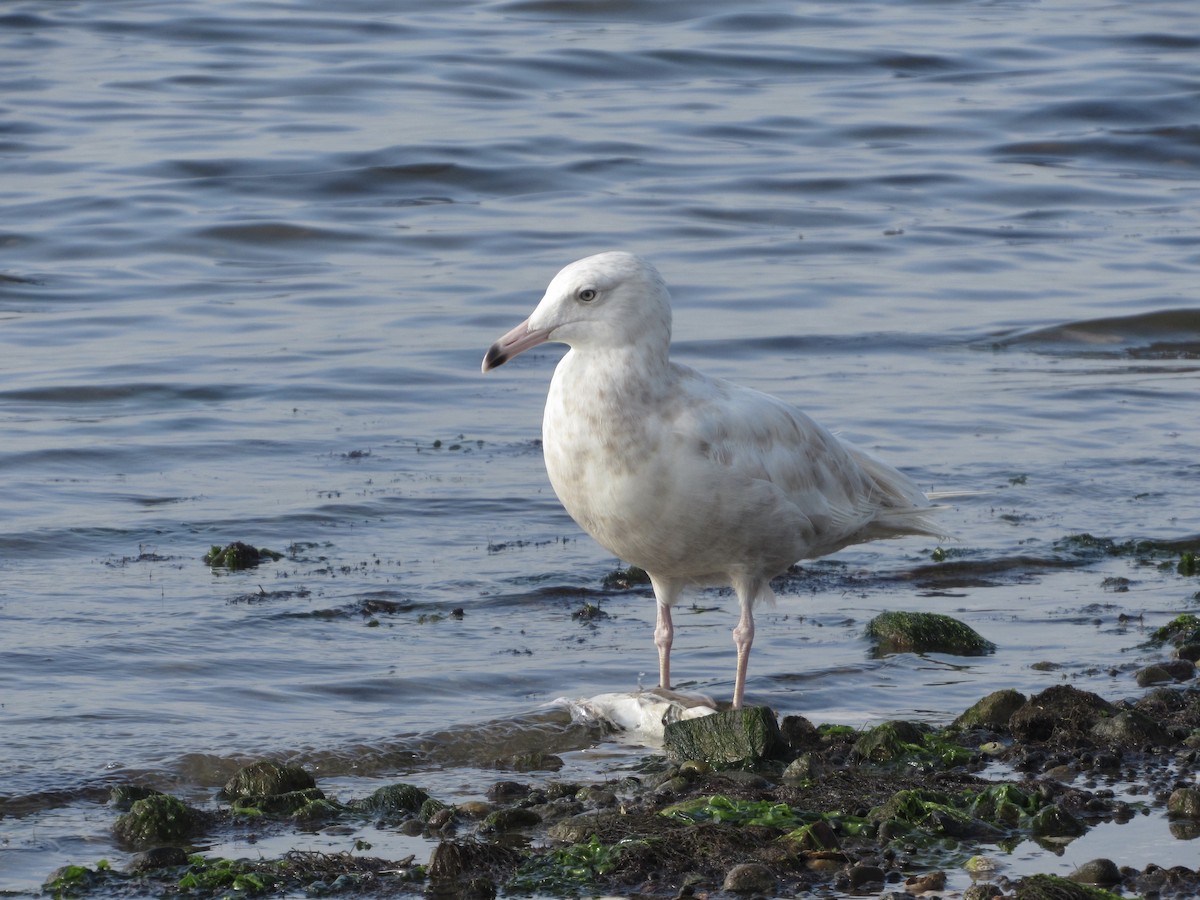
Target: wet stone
x,y
1185,803
157,858
1128,729
1097,871
982,891
861,876
750,878
508,790
1165,672
159,819
737,736
264,778
920,632
993,711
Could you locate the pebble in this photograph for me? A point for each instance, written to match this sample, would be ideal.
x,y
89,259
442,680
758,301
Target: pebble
x,y
1097,871
750,878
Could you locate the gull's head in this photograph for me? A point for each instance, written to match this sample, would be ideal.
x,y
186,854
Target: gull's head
x,y
611,299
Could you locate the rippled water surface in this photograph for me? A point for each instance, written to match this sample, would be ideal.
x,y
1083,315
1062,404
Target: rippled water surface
x,y
251,255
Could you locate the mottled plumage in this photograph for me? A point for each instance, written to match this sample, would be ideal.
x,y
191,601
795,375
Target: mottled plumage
x,y
694,479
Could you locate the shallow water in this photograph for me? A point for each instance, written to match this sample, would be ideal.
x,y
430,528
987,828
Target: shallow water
x,y
251,255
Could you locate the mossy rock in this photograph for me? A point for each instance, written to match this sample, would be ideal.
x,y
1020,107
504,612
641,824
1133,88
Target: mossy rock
x,y
890,741
1061,714
394,798
239,555
158,819
735,737
993,711
285,804
1051,887
918,632
266,778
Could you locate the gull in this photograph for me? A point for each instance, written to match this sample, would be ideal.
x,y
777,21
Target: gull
x,y
696,480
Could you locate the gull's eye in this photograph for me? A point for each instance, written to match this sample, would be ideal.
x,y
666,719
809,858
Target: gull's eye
x,y
586,295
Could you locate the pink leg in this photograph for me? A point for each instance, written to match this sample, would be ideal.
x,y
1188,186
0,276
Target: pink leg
x,y
743,637
743,633
666,594
664,635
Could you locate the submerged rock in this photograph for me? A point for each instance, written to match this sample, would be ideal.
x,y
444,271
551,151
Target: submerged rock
x,y
1051,887
918,632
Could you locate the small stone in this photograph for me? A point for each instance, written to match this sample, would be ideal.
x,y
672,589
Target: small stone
x,y
982,891
1185,803
157,858
1097,871
508,790
799,733
928,881
1189,652
750,878
510,820
805,767
1166,671
860,876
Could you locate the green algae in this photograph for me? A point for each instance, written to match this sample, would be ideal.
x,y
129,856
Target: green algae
x,y
569,871
724,810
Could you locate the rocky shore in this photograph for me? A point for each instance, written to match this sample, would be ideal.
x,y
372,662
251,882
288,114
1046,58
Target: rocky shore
x,y
741,804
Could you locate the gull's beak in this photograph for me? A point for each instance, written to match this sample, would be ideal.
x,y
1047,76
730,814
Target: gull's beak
x,y
516,341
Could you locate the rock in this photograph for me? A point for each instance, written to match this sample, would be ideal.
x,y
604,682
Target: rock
x,y
889,741
817,836
805,767
123,796
982,891
861,876
286,804
1189,652
510,820
993,711
394,798
1054,821
799,733
265,778
576,829
157,858
1166,671
738,736
750,878
455,860
915,632
1097,871
239,555
159,819
1185,803
508,790
927,881
1061,713
1051,887
1128,729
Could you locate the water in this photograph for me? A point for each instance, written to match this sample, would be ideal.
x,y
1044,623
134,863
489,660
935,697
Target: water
x,y
251,255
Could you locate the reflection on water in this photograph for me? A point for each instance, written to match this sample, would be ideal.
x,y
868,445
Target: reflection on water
x,y
249,262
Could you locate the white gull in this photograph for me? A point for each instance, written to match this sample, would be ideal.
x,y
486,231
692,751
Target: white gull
x,y
694,479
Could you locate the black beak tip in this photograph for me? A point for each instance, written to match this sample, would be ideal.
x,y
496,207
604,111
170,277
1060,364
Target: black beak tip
x,y
494,357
